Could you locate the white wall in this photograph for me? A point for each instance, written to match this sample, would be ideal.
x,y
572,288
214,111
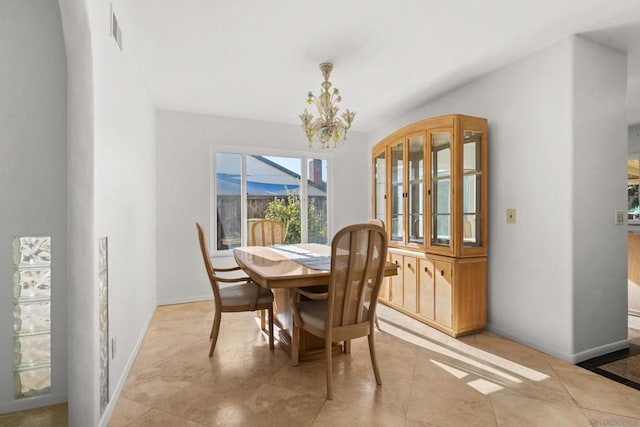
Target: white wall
x,y
599,189
111,180
33,158
185,143
124,188
81,296
529,105
634,139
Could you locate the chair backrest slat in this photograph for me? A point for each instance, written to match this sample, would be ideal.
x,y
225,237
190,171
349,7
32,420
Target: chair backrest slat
x,y
365,277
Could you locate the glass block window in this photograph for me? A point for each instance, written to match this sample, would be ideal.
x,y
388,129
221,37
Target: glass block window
x,y
103,307
31,316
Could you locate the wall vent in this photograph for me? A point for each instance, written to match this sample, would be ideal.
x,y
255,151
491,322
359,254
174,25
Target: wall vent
x,y
116,31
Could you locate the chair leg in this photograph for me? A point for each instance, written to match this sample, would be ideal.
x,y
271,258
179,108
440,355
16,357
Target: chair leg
x,y
295,345
377,323
214,331
270,326
213,326
328,354
374,361
347,347
262,323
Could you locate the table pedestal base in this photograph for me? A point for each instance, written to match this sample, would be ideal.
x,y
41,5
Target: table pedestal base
x,y
307,351
311,347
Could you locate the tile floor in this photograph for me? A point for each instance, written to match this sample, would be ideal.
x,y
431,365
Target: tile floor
x,y
429,379
622,366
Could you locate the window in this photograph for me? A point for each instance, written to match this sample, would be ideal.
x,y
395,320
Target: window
x,y
292,190
32,316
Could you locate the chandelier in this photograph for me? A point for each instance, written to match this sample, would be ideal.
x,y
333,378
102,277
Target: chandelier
x,y
328,126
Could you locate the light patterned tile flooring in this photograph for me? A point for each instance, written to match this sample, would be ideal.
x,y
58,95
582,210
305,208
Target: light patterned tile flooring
x,y
429,379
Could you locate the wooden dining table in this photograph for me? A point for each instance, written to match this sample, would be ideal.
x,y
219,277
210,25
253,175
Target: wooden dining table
x,y
282,268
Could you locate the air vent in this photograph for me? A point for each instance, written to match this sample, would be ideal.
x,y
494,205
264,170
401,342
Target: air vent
x,y
116,32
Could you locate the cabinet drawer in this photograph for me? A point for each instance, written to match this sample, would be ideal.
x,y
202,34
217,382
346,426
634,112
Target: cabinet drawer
x,y
443,293
384,289
409,268
395,293
426,297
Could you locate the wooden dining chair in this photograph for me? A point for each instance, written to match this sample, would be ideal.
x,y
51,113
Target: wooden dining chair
x,y
243,295
347,310
264,232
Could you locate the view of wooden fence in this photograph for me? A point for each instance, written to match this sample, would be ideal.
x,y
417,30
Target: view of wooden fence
x,y
230,214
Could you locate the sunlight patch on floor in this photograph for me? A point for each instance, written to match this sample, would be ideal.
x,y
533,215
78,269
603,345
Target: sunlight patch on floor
x,y
485,387
433,346
426,337
453,371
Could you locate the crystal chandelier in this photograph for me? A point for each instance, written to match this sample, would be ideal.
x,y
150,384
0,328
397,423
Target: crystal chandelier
x,y
327,126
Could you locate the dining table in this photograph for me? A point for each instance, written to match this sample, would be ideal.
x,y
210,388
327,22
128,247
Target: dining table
x,y
282,268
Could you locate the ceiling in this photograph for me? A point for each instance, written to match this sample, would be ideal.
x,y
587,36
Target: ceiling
x,y
257,59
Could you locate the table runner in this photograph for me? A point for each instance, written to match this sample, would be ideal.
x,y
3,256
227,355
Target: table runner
x,y
304,257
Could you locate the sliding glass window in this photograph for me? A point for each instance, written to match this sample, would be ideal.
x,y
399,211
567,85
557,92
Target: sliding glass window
x,y
248,187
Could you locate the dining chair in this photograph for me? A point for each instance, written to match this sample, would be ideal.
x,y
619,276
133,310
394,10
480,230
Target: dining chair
x,y
347,310
264,232
243,295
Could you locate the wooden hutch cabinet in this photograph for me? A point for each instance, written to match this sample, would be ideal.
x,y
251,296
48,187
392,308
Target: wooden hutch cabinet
x,y
430,189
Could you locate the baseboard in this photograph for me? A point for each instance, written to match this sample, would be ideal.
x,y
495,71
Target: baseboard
x,y
601,350
571,358
172,301
518,338
32,402
125,373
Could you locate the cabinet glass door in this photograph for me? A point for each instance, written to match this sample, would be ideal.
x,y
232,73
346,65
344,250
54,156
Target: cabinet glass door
x,y
380,182
441,189
415,182
471,188
397,193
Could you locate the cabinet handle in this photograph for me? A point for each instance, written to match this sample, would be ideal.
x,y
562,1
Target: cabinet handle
x,y
397,262
408,265
428,192
425,270
442,272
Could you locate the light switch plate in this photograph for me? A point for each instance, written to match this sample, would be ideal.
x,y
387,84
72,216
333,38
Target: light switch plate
x,y
619,218
511,216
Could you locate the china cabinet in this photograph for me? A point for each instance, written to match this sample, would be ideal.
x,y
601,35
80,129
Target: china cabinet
x,y
430,189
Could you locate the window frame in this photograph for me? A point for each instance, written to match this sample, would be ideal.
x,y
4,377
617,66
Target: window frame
x,y
304,157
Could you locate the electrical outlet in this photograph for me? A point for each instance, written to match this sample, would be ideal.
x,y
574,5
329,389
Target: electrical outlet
x,y
511,216
619,218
